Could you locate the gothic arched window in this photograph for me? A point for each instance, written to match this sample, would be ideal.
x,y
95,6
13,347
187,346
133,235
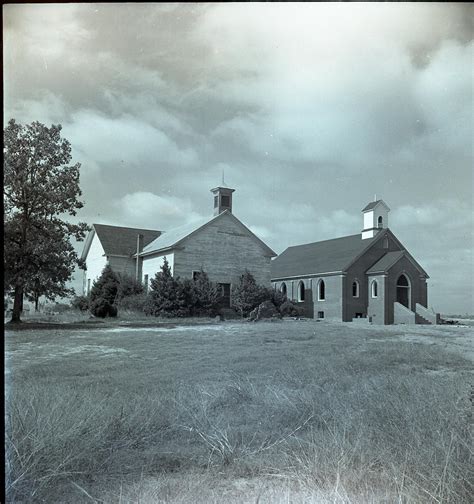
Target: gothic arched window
x,y
380,222
355,289
301,291
321,291
374,289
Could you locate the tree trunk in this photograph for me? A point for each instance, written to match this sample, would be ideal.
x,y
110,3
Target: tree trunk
x,y
17,304
36,301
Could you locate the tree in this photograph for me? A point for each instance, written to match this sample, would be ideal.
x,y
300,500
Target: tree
x,y
247,295
207,295
104,293
40,191
166,294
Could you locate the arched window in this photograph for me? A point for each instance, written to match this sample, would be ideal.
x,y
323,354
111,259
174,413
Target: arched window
x,y
301,291
385,243
380,222
355,289
283,288
374,289
321,291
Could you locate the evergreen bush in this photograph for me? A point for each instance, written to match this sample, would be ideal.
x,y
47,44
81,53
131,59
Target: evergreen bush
x,y
247,294
103,294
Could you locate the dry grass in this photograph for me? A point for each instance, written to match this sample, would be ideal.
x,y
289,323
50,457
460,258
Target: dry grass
x,y
236,412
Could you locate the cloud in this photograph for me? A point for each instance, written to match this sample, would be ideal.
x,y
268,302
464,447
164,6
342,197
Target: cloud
x,y
311,108
146,209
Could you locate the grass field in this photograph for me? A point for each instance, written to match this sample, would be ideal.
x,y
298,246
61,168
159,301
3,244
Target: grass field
x,y
231,412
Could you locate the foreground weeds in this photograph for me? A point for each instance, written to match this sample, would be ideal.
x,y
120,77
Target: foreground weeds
x,y
326,430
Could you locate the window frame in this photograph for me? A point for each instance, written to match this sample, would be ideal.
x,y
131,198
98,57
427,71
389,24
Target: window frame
x,y
374,289
322,283
357,293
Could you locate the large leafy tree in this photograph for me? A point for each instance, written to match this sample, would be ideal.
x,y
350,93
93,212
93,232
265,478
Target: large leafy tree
x,y
40,191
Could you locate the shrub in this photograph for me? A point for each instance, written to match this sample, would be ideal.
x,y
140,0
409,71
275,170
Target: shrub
x,y
207,296
167,296
247,295
288,309
134,302
80,303
128,286
104,294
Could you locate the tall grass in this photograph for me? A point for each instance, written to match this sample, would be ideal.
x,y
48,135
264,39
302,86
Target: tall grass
x,y
340,427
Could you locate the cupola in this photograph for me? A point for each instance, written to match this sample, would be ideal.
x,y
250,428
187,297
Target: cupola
x,y
375,218
222,199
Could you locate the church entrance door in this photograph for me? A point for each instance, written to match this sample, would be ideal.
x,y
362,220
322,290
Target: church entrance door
x,y
403,291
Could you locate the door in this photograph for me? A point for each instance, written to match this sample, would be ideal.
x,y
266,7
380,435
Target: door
x,y
403,291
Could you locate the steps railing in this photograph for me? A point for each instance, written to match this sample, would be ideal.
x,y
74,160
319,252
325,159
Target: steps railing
x,y
427,313
402,314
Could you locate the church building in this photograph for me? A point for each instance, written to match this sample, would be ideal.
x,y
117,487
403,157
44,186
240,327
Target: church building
x,y
221,245
369,276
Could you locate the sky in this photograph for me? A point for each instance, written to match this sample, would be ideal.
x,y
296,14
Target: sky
x,y
310,110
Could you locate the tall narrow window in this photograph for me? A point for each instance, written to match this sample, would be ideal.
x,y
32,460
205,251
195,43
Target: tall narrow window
x,y
380,222
355,289
374,289
321,291
301,291
283,288
385,243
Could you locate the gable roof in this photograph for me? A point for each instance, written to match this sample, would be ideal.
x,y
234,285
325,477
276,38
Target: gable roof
x,y
118,240
390,259
171,239
320,257
373,204
386,262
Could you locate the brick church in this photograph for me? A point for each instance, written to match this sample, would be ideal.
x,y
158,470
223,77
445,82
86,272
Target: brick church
x,y
369,276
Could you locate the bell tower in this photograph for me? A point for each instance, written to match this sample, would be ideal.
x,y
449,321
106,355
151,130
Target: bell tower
x,y
222,199
375,218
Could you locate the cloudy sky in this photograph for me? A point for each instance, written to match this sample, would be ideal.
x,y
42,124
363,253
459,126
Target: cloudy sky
x,y
310,109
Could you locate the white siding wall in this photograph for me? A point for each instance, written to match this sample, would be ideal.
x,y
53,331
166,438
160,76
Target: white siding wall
x,y
151,265
95,262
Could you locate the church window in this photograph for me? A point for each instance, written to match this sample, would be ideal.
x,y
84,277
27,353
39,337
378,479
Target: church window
x,y
355,289
320,314
321,291
385,243
283,288
301,291
374,289
380,222
225,201
196,274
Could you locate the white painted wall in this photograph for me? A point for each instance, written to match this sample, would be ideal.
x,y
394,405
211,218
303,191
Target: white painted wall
x,y
95,262
151,265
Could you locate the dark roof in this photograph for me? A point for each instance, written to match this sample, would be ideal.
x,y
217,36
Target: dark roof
x,y
319,257
371,205
386,262
117,240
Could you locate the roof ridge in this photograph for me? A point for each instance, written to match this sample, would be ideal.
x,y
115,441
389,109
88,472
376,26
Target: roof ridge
x,y
323,241
127,227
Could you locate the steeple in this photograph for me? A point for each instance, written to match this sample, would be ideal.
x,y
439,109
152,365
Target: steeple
x,y
375,218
